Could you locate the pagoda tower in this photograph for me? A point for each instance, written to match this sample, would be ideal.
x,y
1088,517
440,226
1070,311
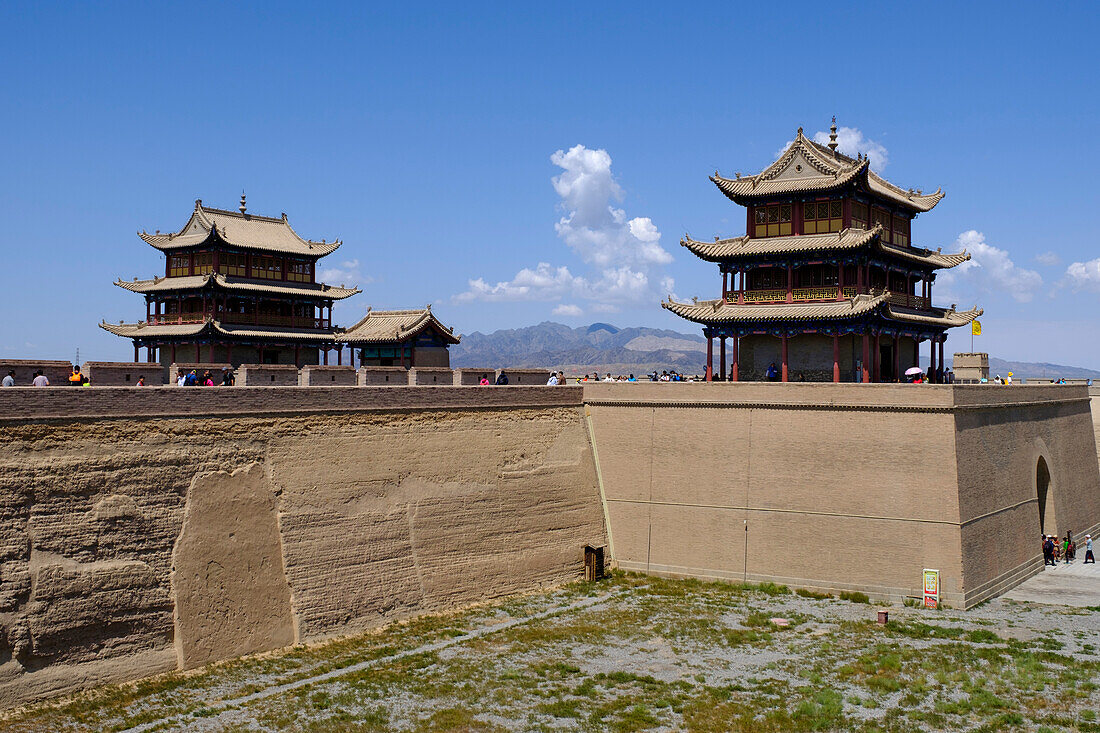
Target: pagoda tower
x,y
238,288
826,284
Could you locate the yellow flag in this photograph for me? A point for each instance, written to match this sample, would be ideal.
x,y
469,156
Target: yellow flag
x,y
976,328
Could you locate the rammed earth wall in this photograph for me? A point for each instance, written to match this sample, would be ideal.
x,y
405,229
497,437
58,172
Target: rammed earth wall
x,y
842,487
144,530
287,514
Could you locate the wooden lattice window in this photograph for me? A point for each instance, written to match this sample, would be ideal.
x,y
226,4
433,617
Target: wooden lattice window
x,y
878,216
767,278
821,217
233,263
267,268
179,265
204,263
773,220
297,271
859,215
901,231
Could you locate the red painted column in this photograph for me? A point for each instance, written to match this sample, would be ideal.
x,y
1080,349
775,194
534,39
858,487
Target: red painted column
x,y
298,355
741,285
710,357
339,355
876,359
836,359
137,355
897,359
725,290
840,281
722,359
942,367
326,355
733,368
866,358
147,311
785,362
149,354
790,283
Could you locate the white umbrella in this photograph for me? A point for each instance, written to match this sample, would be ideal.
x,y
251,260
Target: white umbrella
x,y
913,370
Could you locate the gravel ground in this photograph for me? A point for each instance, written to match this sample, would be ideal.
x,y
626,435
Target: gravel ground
x,y
637,653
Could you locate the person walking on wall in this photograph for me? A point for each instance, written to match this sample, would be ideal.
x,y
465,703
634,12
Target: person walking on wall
x,y
484,381
141,381
502,380
9,380
76,379
1089,557
772,374
1048,551
40,380
553,380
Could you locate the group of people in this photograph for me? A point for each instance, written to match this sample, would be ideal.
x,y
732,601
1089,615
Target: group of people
x,y
39,379
607,378
501,381
1065,549
192,378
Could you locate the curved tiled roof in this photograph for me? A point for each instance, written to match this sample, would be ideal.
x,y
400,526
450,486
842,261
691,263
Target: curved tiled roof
x,y
828,170
194,282
395,327
144,330
724,249
239,229
948,317
718,311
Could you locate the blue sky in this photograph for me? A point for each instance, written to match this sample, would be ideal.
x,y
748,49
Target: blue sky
x,y
512,164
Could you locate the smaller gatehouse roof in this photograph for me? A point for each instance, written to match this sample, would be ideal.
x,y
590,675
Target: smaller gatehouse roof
x,y
391,327
272,287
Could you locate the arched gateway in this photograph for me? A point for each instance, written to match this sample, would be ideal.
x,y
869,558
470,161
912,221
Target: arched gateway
x,y
1044,497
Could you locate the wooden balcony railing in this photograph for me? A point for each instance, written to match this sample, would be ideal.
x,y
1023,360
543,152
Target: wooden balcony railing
x,y
817,294
244,319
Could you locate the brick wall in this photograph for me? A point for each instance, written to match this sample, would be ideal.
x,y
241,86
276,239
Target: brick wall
x,y
327,376
467,377
430,376
382,376
122,373
56,371
267,375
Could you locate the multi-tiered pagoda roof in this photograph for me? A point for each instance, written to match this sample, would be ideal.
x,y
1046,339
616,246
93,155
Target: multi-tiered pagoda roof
x,y
827,250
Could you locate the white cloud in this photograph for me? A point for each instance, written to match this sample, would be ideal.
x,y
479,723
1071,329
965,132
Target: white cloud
x,y
568,310
850,141
625,254
346,273
596,230
1084,275
989,270
1050,259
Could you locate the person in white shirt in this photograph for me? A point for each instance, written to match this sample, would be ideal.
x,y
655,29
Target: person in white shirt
x,y
40,380
9,380
553,381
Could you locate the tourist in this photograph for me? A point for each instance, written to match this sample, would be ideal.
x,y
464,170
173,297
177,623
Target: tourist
x,y
76,379
9,380
553,380
141,381
84,381
227,377
1089,557
608,378
484,381
40,380
502,379
181,378
1048,551
561,379
192,379
207,379
1009,379
631,378
1065,550
772,374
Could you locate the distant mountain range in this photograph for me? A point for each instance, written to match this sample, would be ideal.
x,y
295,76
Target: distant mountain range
x,y
602,347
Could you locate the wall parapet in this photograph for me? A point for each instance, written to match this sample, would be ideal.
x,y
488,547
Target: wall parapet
x,y
31,404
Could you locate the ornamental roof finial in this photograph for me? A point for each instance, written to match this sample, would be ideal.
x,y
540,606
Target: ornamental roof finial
x,y
800,129
832,135
242,206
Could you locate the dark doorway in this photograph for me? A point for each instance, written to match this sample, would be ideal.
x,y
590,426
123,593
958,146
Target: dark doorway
x,y
270,356
886,363
1042,494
